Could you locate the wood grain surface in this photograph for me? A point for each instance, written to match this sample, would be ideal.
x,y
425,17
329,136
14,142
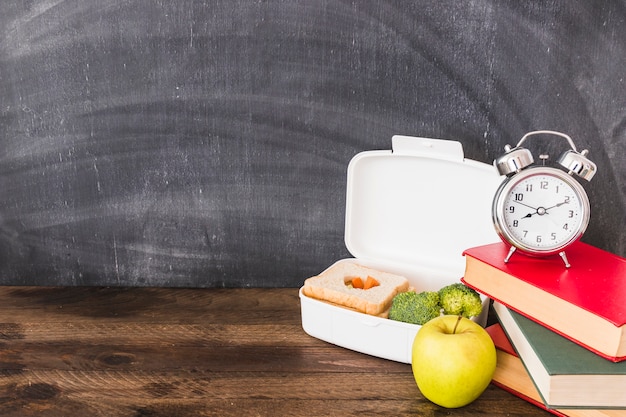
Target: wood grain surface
x,y
194,352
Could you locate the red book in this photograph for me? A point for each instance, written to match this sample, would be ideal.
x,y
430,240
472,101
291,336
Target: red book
x,y
585,303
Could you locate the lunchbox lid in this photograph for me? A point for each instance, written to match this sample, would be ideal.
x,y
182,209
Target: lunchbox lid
x,y
420,203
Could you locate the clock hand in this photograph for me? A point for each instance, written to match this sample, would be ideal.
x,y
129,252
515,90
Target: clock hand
x,y
558,205
524,204
539,210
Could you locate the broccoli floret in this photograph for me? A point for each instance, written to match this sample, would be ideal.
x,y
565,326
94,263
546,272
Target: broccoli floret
x,y
415,308
458,299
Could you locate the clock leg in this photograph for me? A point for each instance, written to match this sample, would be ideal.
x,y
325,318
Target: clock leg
x,y
508,256
564,257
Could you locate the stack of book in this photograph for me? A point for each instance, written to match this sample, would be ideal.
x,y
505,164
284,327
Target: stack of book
x,y
561,336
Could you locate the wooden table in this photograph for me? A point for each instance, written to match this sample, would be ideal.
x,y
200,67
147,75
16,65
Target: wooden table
x,y
194,352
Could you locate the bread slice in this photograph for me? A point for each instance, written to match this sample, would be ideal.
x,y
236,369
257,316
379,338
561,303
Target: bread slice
x,y
333,286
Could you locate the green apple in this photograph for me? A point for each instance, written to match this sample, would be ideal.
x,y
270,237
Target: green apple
x,y
453,360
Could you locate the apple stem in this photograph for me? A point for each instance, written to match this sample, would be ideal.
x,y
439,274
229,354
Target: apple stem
x,y
456,324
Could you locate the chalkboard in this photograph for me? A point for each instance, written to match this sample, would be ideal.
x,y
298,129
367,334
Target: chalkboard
x,y
205,143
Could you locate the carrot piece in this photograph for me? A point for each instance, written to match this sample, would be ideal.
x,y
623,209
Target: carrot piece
x,y
370,282
357,282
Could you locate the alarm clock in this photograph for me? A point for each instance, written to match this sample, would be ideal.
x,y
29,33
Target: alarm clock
x,y
540,210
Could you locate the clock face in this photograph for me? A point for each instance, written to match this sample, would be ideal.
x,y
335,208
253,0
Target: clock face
x,y
541,210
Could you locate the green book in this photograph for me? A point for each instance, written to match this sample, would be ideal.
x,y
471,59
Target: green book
x,y
566,374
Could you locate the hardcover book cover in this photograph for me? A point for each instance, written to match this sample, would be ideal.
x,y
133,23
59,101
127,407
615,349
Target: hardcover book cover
x,y
565,374
584,303
511,375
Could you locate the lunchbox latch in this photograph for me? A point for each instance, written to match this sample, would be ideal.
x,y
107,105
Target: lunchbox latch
x,y
430,148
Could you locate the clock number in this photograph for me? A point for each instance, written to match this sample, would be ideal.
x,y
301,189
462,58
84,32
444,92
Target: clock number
x,y
571,214
566,226
553,236
519,196
538,238
544,185
515,223
566,201
529,187
511,209
525,232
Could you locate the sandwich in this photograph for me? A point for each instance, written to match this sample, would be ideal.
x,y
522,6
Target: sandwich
x,y
356,287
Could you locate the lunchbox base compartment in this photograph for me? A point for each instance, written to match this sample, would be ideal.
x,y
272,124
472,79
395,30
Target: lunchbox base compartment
x,y
372,335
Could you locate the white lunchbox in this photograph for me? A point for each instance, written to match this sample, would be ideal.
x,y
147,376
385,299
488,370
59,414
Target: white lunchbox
x,y
410,211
